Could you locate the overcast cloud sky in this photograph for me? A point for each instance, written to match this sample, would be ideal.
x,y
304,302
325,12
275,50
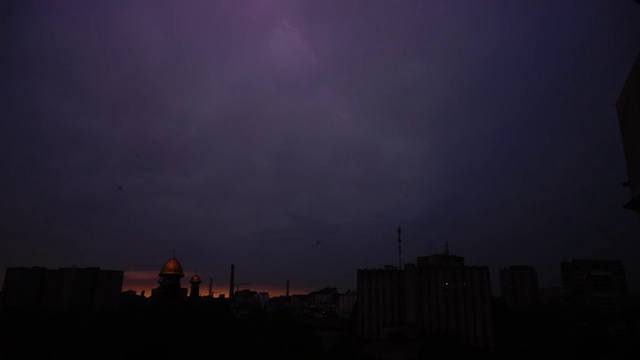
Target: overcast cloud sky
x,y
292,138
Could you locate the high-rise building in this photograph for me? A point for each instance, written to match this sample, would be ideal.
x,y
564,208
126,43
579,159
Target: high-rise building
x,y
519,286
70,287
628,109
23,286
595,283
439,294
380,298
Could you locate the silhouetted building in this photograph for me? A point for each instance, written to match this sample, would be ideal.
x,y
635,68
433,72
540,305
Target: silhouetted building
x,y
326,299
23,286
551,294
595,283
628,109
444,259
70,287
169,290
195,282
346,303
263,299
439,295
519,286
246,300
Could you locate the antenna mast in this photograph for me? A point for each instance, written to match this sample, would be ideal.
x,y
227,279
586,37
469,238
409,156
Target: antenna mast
x,y
232,281
399,249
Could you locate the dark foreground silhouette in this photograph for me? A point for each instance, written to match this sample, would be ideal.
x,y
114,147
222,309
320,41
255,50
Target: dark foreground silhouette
x,y
216,328
160,332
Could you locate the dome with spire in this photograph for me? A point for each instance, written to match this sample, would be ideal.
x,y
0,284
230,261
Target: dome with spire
x,y
172,267
195,279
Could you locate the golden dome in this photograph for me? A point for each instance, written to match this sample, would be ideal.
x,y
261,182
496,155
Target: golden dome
x,y
172,267
195,279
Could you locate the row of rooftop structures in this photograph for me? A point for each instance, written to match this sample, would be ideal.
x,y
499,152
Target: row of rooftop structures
x,y
437,293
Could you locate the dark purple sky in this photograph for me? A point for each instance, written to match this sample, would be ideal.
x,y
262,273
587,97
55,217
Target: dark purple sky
x,y
291,138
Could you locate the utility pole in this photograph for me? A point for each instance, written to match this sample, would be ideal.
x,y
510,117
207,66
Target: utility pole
x,y
399,249
231,281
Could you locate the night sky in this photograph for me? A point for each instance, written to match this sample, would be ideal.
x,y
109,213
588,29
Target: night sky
x,y
292,138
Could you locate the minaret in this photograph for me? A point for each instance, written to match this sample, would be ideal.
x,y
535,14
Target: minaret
x,y
195,287
399,249
446,247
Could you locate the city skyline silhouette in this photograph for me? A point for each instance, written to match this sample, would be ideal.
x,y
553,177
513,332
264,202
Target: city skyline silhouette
x,y
293,138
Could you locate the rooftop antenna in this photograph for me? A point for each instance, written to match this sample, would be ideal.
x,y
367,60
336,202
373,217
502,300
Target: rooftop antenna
x,y
399,249
446,247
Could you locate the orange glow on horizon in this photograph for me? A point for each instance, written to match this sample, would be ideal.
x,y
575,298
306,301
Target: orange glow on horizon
x,y
148,280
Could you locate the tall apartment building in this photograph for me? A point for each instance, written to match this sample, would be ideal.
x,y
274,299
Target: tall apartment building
x,y
519,286
437,294
628,109
595,283
39,287
380,302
